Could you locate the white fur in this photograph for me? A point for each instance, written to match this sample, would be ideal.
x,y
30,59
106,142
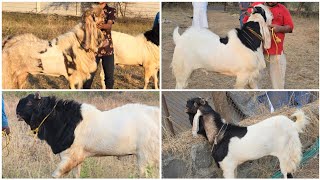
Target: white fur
x,y
26,54
200,48
129,129
277,136
136,50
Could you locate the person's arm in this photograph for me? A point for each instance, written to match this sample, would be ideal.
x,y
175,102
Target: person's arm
x,y
106,26
281,29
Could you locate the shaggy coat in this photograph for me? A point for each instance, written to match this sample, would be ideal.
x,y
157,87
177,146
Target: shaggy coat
x,y
77,131
277,136
239,54
142,50
71,55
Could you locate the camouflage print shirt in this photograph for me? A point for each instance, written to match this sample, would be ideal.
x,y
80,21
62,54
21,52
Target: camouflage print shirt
x,y
107,49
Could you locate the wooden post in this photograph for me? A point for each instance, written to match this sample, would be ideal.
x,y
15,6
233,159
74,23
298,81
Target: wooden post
x,y
38,9
168,123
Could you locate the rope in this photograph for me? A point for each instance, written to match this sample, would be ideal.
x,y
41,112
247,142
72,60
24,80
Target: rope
x,y
311,152
36,130
8,138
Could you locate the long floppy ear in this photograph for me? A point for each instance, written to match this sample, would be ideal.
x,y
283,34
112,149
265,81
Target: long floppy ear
x,y
90,29
265,34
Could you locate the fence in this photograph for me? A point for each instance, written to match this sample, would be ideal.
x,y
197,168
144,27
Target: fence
x,y
127,9
232,106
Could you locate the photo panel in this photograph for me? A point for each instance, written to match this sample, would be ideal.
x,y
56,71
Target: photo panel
x,y
58,134
80,45
240,134
226,45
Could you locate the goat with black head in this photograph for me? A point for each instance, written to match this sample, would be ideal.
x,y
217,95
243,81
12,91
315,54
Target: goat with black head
x,y
232,145
77,131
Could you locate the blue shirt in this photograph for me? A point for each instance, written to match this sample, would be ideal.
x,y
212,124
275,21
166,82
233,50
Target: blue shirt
x,y
4,116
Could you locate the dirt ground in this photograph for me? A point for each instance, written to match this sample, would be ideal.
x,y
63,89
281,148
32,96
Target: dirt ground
x,y
301,48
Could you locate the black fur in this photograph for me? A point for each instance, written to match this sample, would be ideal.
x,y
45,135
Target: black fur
x,y
261,11
50,44
153,35
58,129
41,52
247,38
289,175
220,150
224,40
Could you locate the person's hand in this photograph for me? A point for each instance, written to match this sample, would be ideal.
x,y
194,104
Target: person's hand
x,y
103,26
6,130
276,28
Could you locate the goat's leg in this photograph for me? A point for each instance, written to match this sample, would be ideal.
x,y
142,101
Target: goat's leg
x,y
155,78
284,168
142,164
242,81
228,167
22,80
147,75
195,125
76,171
182,79
68,162
102,76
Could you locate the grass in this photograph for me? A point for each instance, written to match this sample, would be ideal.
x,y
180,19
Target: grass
x,y
31,158
50,26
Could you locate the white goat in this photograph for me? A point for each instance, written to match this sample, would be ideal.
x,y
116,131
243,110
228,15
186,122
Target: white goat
x,y
277,136
240,54
71,55
77,131
137,50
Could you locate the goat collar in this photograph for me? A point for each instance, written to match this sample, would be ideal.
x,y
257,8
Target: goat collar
x,y
255,34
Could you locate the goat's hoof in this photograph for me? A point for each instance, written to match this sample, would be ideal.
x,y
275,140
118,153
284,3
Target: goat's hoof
x,y
55,174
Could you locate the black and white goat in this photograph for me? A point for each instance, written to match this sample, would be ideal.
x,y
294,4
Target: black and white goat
x,y
77,131
232,145
239,54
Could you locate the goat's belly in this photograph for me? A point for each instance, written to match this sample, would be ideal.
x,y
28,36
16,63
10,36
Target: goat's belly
x,y
53,63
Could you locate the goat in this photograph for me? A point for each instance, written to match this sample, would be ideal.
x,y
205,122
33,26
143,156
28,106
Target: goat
x,y
239,54
77,131
232,145
71,55
142,50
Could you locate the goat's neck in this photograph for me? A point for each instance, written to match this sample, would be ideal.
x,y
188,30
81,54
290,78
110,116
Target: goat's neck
x,y
212,123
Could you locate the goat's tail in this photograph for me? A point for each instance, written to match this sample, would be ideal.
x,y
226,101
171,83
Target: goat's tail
x,y
301,120
176,35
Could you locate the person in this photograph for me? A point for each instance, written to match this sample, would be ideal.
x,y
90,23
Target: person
x,y
105,53
200,14
5,124
243,6
281,24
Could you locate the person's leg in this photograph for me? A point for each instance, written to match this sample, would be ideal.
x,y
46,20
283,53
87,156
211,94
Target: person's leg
x,y
277,70
108,68
88,83
241,19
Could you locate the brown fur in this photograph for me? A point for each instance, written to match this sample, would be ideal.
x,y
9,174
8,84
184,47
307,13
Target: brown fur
x,y
210,128
26,54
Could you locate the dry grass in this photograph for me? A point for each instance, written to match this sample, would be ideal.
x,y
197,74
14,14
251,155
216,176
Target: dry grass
x,y
180,146
301,48
32,158
50,26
